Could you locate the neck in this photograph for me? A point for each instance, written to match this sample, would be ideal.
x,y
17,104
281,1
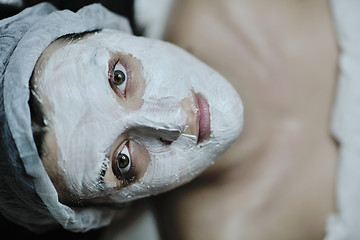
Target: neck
x,y
281,170
247,198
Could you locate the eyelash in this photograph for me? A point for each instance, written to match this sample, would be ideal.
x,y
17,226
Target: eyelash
x,y
111,73
130,176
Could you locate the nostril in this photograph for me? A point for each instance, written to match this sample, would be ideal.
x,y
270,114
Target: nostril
x,y
164,141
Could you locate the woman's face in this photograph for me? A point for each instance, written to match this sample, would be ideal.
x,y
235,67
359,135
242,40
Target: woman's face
x,y
130,117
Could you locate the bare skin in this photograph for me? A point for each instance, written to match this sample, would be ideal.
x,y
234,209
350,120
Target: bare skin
x,y
278,179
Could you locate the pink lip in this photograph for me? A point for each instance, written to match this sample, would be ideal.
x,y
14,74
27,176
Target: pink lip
x,y
204,118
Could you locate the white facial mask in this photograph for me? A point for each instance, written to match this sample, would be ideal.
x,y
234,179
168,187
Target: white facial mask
x,y
87,117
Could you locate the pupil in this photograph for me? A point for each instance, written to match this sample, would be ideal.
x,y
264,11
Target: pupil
x,y
122,161
119,77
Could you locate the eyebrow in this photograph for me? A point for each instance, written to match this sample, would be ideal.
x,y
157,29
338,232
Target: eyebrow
x,y
76,37
101,205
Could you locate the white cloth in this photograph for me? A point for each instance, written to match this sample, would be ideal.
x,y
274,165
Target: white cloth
x,y
345,224
16,3
153,22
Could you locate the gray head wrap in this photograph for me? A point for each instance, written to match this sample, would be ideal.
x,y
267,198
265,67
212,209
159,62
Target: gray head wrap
x,y
27,195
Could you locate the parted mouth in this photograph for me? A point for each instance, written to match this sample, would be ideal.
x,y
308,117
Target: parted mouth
x,y
203,119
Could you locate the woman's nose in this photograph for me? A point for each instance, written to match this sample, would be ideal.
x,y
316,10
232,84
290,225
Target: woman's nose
x,y
164,119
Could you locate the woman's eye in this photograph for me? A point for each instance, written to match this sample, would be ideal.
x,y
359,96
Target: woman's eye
x,y
119,77
123,164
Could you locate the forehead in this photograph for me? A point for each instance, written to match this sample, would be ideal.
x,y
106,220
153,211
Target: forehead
x,y
69,69
63,96
60,45
72,84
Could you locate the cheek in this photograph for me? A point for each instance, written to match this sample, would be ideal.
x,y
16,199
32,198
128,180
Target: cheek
x,y
172,164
